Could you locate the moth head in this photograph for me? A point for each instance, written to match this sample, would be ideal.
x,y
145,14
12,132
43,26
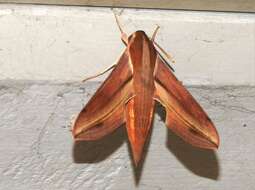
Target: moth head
x,y
138,35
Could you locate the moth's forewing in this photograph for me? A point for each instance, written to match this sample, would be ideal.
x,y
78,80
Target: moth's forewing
x,y
185,116
105,110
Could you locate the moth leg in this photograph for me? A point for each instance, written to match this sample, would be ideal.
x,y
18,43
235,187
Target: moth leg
x,y
99,74
168,55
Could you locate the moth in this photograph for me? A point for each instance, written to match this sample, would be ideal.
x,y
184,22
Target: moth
x,y
140,78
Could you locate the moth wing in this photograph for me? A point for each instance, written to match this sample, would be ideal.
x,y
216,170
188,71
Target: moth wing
x,y
184,116
105,110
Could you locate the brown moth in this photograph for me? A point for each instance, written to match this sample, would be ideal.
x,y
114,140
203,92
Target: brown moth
x,y
128,95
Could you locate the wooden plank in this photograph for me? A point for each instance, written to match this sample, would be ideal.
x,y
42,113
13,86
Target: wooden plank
x,y
214,5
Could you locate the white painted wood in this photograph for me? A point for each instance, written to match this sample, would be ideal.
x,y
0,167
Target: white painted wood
x,y
71,43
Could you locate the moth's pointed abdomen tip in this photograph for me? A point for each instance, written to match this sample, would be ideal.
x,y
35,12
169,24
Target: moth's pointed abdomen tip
x,y
136,159
136,163
137,151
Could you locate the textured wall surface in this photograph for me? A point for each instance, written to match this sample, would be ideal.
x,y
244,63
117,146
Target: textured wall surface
x,y
37,150
70,43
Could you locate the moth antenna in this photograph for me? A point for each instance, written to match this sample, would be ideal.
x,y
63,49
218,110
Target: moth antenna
x,y
99,74
124,36
168,56
155,33
118,23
